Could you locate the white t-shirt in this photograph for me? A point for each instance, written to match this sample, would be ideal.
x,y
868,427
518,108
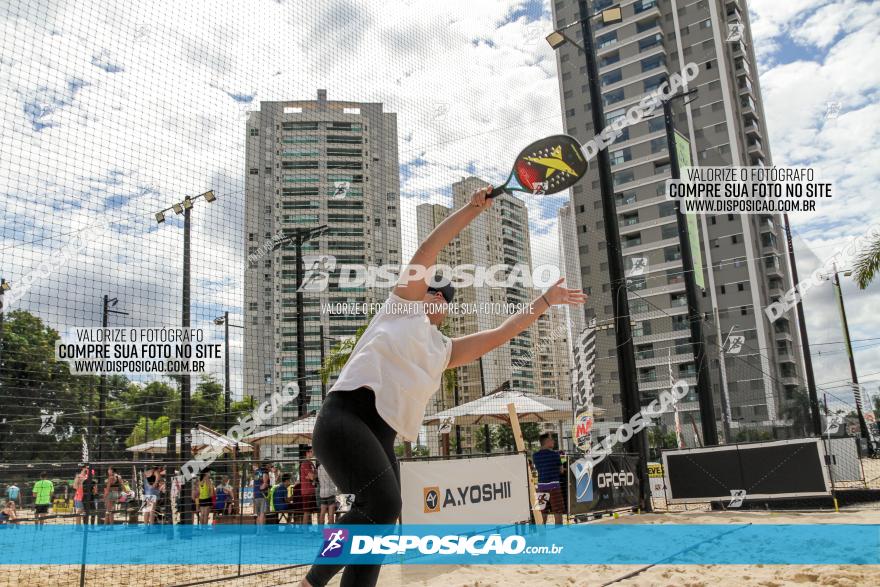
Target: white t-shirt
x,y
325,483
401,356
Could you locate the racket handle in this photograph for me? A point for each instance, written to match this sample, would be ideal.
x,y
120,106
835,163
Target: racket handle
x,y
497,191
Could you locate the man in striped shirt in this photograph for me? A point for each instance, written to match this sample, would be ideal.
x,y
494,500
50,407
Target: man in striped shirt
x,y
548,464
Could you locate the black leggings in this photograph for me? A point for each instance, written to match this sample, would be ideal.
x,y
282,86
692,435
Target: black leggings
x,y
357,447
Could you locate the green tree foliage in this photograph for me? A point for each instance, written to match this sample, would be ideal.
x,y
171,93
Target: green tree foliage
x,y
867,265
33,383
503,436
659,439
479,439
798,411
142,432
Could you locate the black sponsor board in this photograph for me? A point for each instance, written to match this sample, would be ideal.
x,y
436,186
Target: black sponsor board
x,y
613,484
764,470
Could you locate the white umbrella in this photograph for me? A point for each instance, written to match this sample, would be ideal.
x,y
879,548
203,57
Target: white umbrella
x,y
492,409
296,432
202,437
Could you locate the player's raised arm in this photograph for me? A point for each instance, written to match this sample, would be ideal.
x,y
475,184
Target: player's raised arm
x,y
469,348
413,283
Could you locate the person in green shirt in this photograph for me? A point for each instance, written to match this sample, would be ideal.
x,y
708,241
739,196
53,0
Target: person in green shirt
x,y
43,491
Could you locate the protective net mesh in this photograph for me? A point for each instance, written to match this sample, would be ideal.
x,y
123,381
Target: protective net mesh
x,y
257,173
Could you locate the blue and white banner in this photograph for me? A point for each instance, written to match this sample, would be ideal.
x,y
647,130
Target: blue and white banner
x,y
619,544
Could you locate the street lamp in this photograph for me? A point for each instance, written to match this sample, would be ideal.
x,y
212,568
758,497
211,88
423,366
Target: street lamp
x,y
298,236
224,321
108,304
629,389
694,316
558,38
4,287
834,276
185,208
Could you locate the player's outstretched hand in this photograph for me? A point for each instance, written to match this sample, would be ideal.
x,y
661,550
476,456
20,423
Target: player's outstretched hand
x,y
558,295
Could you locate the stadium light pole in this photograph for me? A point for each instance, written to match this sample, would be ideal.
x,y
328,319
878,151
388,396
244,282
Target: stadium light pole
x,y
626,362
298,237
227,399
815,418
108,304
4,285
694,316
857,392
185,208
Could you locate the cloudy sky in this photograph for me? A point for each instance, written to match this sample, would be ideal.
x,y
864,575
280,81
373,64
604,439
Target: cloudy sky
x,y
114,110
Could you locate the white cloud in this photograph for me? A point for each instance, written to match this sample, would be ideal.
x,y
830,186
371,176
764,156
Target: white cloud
x,y
797,87
115,112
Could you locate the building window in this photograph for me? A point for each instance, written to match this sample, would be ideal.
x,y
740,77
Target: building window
x,y
666,209
653,62
621,156
668,231
612,77
608,60
606,40
651,41
653,83
658,145
623,177
613,97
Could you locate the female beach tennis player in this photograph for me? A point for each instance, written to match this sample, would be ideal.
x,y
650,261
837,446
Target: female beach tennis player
x,y
393,370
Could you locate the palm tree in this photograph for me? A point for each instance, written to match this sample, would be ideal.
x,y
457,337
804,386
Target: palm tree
x,y
868,264
339,354
798,411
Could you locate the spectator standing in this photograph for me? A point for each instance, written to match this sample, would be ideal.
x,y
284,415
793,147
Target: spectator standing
x,y
327,496
203,495
261,490
79,495
112,491
548,464
43,491
152,481
223,502
307,477
13,493
90,497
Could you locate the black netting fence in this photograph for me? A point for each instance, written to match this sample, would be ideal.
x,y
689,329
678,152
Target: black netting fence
x,y
204,205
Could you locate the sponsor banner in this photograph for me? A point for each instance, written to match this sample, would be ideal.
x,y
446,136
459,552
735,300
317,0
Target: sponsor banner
x,y
491,490
583,423
295,544
612,484
775,469
655,476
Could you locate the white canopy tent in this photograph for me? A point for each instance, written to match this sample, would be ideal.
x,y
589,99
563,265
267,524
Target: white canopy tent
x,y
492,409
296,432
202,437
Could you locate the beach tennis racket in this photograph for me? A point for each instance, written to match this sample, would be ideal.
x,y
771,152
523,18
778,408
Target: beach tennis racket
x,y
545,167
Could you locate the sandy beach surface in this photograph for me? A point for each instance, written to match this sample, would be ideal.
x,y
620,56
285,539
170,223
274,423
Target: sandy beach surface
x,y
509,575
661,575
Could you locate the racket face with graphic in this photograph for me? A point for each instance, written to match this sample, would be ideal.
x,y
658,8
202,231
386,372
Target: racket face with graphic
x,y
545,167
